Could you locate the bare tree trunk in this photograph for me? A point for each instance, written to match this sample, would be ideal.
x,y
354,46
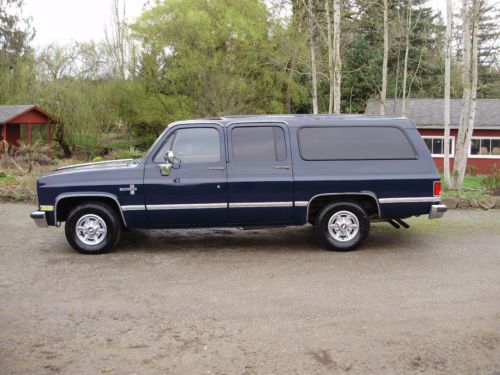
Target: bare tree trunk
x,y
383,93
462,147
331,73
407,52
313,60
447,89
337,61
476,4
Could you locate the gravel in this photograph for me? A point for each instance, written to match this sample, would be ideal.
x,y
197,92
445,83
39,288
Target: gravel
x,y
224,301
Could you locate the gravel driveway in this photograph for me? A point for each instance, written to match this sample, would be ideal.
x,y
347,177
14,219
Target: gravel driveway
x,y
424,300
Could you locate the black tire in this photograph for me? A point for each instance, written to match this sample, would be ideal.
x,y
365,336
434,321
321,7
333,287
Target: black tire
x,y
327,212
102,211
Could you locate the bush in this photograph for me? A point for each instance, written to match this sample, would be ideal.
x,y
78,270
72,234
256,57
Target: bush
x,y
2,174
492,181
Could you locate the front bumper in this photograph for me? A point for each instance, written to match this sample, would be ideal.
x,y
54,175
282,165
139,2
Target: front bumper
x,y
437,211
39,218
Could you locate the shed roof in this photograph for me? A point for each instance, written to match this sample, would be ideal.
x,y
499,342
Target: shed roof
x,y
428,113
8,113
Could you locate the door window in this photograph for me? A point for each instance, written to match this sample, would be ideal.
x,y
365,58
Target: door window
x,y
258,144
195,145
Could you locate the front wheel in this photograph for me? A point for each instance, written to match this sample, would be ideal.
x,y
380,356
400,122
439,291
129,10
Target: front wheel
x,y
342,226
93,228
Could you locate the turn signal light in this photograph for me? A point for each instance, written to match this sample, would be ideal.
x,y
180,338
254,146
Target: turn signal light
x,y
437,188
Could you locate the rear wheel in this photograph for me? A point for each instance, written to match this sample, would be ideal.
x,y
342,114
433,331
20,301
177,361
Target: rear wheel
x,y
342,226
93,228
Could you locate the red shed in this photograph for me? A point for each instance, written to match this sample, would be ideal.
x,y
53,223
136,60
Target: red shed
x,y
13,116
427,115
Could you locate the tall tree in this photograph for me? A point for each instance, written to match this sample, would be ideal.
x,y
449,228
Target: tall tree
x,y
408,29
312,44
331,70
447,89
470,20
337,60
383,92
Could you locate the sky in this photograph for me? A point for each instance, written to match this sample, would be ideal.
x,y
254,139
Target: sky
x,y
62,21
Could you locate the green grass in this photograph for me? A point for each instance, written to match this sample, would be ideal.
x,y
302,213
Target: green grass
x,y
471,182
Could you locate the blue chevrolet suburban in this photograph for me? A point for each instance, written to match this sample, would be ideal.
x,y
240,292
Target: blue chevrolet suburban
x,y
338,173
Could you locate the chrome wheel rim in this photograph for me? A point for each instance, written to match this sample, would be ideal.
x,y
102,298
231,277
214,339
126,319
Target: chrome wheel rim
x,y
343,226
91,229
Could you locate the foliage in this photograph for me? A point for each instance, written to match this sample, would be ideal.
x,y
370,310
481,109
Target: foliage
x,y
492,181
202,58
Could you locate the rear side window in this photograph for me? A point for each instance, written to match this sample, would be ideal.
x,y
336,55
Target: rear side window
x,y
354,143
258,143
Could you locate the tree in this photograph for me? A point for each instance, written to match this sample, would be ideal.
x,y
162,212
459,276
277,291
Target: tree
x,y
408,30
312,45
447,89
383,92
469,82
331,69
337,60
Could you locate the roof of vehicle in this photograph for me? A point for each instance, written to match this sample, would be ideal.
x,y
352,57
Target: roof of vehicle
x,y
306,119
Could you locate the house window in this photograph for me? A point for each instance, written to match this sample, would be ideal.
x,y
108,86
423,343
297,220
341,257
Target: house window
x,y
436,145
484,147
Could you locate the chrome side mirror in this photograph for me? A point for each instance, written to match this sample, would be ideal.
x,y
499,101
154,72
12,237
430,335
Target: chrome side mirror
x,y
169,157
166,167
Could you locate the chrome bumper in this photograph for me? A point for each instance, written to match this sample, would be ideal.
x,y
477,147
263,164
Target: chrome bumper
x,y
437,211
39,218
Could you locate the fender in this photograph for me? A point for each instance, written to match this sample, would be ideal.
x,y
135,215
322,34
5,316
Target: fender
x,y
85,194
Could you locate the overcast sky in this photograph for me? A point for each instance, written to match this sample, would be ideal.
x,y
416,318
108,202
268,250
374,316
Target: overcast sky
x,y
62,21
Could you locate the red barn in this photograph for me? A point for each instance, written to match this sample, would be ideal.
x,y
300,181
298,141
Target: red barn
x,y
427,115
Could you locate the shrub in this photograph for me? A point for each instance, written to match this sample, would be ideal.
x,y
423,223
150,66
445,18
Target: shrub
x,y
492,181
2,174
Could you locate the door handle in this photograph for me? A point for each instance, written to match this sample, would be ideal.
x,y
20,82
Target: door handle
x,y
216,168
282,167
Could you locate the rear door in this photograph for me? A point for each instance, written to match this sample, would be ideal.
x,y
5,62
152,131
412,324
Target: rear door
x,y
195,192
260,175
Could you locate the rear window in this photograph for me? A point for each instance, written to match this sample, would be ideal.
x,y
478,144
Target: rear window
x,y
354,143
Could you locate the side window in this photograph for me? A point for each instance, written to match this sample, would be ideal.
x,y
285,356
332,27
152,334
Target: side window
x,y
258,144
195,145
354,143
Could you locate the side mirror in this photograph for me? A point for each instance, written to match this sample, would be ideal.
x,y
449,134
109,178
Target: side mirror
x,y
166,167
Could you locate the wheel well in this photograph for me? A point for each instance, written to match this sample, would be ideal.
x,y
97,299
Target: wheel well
x,y
65,205
367,202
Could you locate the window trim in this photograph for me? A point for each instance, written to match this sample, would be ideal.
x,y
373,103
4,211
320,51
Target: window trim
x,y
452,151
469,155
300,128
257,124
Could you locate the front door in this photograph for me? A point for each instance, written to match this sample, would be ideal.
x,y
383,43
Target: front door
x,y
259,174
195,191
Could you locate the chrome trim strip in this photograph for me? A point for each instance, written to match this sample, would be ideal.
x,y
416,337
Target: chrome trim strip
x,y
301,203
155,207
138,207
260,204
363,193
410,200
93,163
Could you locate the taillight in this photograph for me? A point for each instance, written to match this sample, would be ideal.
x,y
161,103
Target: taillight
x,y
437,188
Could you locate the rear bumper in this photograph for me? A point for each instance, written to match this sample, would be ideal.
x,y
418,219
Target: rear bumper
x,y
39,218
437,211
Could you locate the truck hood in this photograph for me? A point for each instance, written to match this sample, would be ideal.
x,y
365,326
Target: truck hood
x,y
111,164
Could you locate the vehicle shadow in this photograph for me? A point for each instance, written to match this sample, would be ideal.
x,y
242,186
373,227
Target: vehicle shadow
x,y
290,239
